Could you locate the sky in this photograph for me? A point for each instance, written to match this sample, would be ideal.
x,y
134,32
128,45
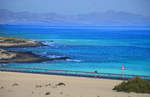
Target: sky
x,y
71,7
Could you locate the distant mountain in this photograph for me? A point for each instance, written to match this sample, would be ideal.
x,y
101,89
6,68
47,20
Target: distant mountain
x,y
109,18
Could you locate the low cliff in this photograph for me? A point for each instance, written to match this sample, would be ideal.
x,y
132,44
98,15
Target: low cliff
x,y
7,42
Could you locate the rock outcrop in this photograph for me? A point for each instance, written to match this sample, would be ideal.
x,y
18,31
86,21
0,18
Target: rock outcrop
x,y
21,57
8,42
5,55
24,57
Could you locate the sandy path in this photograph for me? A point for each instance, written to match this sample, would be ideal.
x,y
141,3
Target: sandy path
x,y
36,85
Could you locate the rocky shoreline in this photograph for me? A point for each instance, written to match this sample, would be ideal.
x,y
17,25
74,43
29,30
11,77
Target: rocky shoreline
x,y
9,42
21,57
24,57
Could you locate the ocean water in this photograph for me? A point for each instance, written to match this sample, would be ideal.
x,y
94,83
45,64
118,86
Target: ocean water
x,y
104,49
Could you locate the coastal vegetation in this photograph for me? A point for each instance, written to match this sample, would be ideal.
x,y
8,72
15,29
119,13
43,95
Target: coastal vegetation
x,y
136,84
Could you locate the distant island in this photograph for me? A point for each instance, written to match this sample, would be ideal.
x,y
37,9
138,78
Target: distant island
x,y
14,56
106,18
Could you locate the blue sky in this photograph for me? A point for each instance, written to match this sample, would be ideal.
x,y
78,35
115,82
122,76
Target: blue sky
x,y
141,7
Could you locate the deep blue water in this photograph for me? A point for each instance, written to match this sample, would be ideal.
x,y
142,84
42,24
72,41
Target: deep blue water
x,y
104,49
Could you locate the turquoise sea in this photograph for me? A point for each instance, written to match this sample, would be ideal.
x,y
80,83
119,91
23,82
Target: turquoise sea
x,y
104,49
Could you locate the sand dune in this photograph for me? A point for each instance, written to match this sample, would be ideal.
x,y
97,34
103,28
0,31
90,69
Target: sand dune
x,y
36,85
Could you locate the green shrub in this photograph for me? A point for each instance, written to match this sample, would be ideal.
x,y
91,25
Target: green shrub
x,y
136,84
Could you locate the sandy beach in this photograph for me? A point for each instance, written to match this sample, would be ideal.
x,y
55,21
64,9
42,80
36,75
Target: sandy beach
x,y
37,85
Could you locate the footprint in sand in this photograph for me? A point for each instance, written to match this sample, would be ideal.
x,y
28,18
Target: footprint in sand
x,y
47,93
15,84
1,87
38,86
61,84
48,85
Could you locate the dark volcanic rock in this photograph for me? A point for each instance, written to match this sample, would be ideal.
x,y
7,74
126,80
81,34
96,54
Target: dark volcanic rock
x,y
23,57
61,58
27,57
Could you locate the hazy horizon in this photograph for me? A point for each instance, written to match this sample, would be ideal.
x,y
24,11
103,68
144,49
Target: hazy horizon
x,y
76,13
72,7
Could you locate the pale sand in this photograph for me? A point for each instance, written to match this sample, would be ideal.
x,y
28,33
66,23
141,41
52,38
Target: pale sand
x,y
75,86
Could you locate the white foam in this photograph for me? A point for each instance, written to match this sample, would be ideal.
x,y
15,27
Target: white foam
x,y
53,56
73,60
49,43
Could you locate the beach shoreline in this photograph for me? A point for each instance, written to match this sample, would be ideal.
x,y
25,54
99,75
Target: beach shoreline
x,y
39,85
